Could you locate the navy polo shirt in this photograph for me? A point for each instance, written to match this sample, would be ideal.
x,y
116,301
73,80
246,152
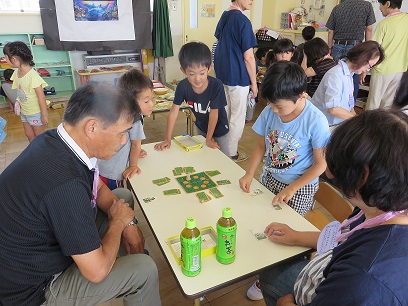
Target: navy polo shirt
x,y
235,36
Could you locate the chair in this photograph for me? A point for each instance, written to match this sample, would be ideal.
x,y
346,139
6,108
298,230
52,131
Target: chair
x,y
333,201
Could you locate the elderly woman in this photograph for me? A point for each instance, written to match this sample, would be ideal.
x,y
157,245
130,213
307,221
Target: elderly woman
x,y
362,261
334,95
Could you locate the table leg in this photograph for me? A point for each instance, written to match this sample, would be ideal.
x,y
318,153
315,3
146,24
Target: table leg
x,y
189,116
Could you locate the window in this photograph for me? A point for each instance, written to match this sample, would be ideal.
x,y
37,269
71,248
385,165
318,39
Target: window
x,y
18,6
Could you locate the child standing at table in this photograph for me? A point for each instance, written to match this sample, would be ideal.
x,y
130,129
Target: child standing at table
x,y
29,85
7,90
205,96
116,169
293,132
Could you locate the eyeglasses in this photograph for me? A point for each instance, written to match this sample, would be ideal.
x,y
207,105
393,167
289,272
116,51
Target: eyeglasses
x,y
369,65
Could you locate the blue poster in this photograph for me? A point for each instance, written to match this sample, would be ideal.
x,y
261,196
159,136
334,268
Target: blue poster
x,y
96,10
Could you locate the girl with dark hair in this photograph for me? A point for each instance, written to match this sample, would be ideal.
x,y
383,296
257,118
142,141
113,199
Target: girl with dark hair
x,y
316,62
334,95
29,85
362,261
283,50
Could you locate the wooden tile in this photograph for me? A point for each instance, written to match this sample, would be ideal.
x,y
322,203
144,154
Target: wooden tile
x,y
170,293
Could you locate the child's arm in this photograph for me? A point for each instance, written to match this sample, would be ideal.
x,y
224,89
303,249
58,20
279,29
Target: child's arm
x,y
314,171
256,157
43,105
212,123
171,121
135,148
308,70
342,113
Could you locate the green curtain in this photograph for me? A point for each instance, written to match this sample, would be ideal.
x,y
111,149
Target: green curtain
x,y
162,44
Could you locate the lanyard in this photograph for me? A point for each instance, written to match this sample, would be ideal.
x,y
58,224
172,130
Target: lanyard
x,y
350,84
236,7
367,223
392,14
95,185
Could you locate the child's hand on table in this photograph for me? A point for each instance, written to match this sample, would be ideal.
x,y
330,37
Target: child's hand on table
x,y
130,171
162,145
212,144
142,154
245,182
284,196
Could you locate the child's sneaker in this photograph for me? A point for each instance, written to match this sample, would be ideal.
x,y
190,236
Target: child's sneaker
x,y
58,105
254,293
239,157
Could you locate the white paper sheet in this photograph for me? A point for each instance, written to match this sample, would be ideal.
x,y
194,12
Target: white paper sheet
x,y
72,30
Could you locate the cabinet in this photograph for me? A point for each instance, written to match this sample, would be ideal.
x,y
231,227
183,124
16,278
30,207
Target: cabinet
x,y
296,35
58,63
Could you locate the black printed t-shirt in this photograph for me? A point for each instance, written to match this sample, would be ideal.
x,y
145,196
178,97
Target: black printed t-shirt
x,y
46,217
212,98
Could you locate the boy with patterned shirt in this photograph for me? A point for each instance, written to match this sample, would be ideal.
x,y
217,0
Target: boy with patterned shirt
x,y
294,133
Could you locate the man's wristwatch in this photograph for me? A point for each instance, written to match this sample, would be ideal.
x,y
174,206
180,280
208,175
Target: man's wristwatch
x,y
133,222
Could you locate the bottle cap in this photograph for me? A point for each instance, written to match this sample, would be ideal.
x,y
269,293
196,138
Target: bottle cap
x,y
227,212
190,222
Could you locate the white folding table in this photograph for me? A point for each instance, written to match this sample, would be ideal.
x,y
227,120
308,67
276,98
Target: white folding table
x,y
166,216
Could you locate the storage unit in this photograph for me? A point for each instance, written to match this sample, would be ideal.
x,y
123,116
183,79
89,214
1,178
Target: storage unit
x,y
58,63
284,21
296,35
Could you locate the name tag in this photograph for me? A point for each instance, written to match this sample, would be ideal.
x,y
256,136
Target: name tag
x,y
327,238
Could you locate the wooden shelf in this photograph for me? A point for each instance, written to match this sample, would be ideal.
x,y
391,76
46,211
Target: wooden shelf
x,y
49,59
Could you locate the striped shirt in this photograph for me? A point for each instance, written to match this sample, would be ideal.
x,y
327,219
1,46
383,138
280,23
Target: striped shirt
x,y
320,69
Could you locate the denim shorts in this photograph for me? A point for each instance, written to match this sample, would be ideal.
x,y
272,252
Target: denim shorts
x,y
33,120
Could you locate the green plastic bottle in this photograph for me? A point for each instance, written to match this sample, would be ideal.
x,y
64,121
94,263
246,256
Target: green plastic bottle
x,y
190,239
227,234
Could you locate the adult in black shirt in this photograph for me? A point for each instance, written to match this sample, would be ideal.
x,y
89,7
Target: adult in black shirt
x,y
54,213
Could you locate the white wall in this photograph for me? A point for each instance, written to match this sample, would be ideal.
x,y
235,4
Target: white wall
x,y
20,23
330,4
176,26
318,17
